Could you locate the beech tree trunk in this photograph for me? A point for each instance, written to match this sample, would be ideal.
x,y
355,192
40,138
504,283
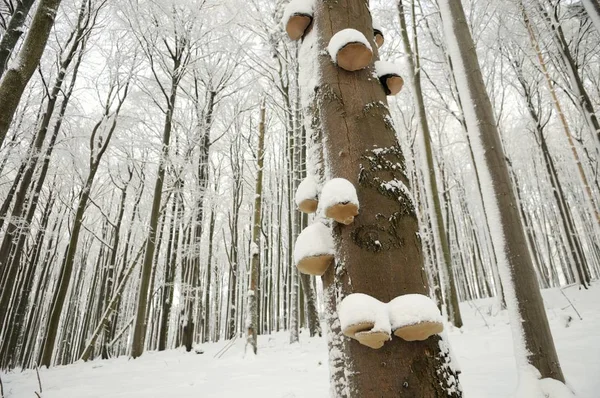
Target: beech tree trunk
x,y
13,33
361,146
439,232
592,7
529,316
252,314
16,78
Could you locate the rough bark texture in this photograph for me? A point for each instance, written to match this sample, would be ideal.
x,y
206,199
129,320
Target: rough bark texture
x,y
16,78
530,307
380,253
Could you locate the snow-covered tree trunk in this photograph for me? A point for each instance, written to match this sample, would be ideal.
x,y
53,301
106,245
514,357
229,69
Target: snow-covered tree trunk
x,y
13,32
360,145
439,231
534,346
16,77
252,309
559,110
99,140
592,7
572,69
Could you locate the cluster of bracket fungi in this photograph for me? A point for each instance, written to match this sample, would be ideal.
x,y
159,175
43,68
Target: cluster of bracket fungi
x,y
412,317
348,48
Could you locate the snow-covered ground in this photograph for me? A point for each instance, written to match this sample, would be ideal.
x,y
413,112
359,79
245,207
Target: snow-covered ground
x,y
280,370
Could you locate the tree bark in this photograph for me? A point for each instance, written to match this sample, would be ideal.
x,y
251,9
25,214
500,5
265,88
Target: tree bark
x,y
451,296
16,77
13,32
592,7
528,317
252,314
361,146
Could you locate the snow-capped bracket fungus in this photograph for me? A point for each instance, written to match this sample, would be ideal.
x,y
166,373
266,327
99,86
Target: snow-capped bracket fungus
x,y
378,34
350,50
314,250
307,195
339,200
297,17
389,76
414,317
365,319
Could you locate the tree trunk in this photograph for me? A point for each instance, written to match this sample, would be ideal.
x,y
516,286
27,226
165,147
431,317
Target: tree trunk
x,y
139,335
15,78
439,231
98,146
361,146
13,32
563,120
592,7
569,63
252,313
531,333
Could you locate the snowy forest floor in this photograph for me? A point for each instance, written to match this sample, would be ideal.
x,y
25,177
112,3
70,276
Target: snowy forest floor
x,y
483,348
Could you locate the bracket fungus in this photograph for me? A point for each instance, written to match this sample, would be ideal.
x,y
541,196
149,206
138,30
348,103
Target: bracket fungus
x,y
307,194
350,50
314,250
378,34
389,76
297,17
365,319
339,200
414,317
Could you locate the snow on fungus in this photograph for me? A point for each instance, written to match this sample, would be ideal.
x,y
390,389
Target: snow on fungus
x,y
350,50
297,17
306,195
314,250
378,34
389,76
414,317
365,319
339,200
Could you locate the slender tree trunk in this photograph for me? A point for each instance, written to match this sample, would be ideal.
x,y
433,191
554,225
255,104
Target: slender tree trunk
x,y
413,60
252,312
563,120
209,271
15,78
98,146
13,32
532,337
582,97
592,7
139,335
